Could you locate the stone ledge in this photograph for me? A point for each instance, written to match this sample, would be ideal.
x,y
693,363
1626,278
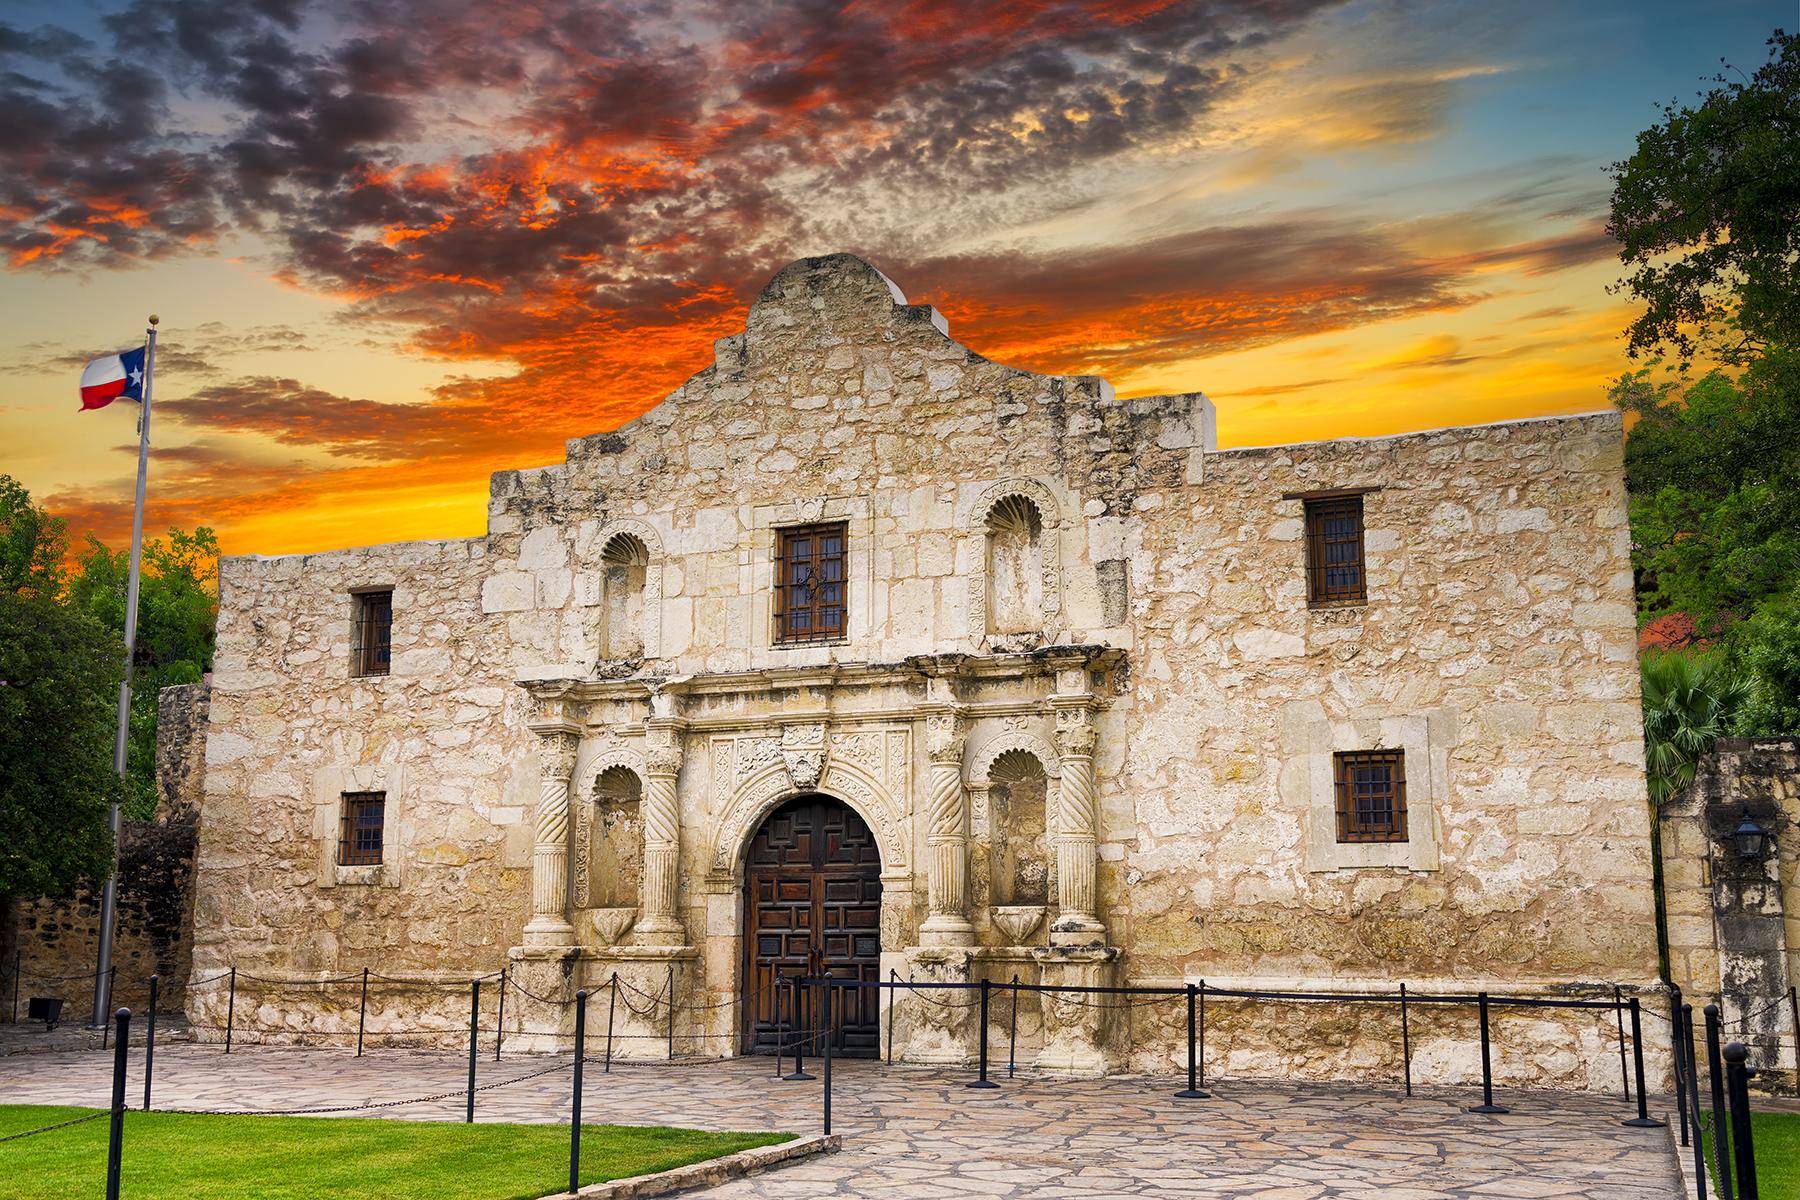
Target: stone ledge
x,y
710,1173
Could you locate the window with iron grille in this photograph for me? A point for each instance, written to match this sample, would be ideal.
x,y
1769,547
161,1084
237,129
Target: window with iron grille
x,y
1334,551
369,652
359,830
810,597
1371,795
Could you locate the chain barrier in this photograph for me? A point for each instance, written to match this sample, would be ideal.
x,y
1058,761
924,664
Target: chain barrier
x,y
93,1116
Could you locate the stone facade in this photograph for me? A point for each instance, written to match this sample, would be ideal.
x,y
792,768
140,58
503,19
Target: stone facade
x,y
58,938
1734,923
1080,700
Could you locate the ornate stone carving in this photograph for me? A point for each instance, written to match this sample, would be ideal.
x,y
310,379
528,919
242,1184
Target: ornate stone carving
x,y
1014,738
948,871
658,923
1077,833
1074,733
803,752
760,789
549,924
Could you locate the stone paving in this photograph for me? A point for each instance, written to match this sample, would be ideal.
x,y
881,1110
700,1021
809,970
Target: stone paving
x,y
911,1132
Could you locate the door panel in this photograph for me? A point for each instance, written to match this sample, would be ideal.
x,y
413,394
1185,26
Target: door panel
x,y
812,893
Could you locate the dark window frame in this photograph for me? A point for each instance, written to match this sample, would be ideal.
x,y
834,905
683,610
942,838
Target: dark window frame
x,y
372,633
1370,788
361,829
1337,572
806,575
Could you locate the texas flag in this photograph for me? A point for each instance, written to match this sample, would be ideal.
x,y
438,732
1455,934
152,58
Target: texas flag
x,y
106,379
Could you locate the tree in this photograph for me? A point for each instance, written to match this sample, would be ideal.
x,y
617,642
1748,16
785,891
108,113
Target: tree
x,y
177,607
1690,700
1707,211
1771,657
1713,473
59,680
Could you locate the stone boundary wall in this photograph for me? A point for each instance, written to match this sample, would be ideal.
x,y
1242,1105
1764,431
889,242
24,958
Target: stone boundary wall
x,y
1734,925
60,937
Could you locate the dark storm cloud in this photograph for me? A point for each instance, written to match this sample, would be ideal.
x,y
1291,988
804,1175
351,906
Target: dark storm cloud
x,y
294,414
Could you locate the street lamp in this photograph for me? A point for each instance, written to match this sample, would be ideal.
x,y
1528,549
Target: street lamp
x,y
1750,839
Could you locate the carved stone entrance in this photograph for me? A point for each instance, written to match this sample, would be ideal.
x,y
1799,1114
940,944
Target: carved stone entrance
x,y
812,906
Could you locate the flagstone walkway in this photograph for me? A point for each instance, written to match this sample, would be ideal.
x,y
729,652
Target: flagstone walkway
x,y
917,1133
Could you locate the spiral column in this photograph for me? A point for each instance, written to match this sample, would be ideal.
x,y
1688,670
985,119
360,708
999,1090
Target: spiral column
x,y
549,924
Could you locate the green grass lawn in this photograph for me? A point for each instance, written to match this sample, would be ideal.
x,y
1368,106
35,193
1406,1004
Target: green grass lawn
x,y
1777,1137
169,1156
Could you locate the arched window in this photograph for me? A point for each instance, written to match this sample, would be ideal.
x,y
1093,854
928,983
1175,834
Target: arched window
x,y
624,565
616,841
1015,563
1019,805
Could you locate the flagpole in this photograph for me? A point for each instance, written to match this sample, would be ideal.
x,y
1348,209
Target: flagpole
x,y
109,893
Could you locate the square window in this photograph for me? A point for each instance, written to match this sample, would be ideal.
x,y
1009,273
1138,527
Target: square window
x,y
370,645
1334,551
359,830
810,600
1371,795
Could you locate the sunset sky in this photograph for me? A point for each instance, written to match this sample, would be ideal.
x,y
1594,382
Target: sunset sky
x,y
398,245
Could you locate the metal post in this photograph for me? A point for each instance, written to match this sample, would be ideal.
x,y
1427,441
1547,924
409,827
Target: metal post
x,y
825,987
109,892
1643,1120
612,1006
150,1045
1715,1071
983,1081
112,978
671,994
893,1008
799,1072
1012,1030
18,969
781,1026
1202,1034
231,1010
1737,1087
1405,1041
1192,1091
500,1016
575,1102
105,1026
1675,1055
116,1134
362,1012
1693,1086
474,1035
1619,1018
1487,1104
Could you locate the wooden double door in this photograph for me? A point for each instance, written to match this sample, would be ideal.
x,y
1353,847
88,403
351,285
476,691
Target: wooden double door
x,y
812,908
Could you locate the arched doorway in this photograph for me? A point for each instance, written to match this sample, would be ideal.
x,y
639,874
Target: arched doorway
x,y
812,906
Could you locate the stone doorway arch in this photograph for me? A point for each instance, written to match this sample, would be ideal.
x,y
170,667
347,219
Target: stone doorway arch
x,y
812,906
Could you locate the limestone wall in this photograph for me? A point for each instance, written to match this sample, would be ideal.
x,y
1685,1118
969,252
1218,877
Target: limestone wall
x,y
1496,648
292,729
1734,924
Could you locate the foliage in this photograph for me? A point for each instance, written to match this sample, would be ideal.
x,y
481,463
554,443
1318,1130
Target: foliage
x,y
1713,472
196,1156
1707,211
32,544
1770,654
1689,700
59,678
177,607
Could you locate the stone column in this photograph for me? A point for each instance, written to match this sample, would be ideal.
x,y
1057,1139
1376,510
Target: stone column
x,y
549,924
1077,831
947,836
659,922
